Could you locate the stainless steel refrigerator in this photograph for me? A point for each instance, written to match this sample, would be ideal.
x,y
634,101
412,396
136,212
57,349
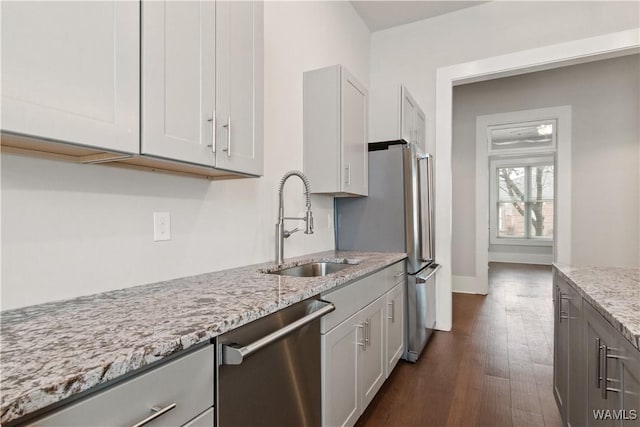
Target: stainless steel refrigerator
x,y
397,216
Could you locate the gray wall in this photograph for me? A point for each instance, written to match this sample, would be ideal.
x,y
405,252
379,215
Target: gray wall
x,y
605,101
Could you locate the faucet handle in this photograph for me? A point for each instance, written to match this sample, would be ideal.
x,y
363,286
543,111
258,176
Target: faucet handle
x,y
288,233
309,220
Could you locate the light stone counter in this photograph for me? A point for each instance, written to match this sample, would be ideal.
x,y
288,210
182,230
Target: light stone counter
x,y
52,351
613,291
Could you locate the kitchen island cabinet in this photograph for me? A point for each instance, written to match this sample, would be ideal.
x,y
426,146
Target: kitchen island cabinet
x,y
596,355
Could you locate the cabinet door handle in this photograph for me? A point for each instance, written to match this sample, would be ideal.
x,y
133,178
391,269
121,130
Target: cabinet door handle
x,y
604,370
364,333
393,311
212,120
562,314
347,174
598,362
157,413
367,332
228,126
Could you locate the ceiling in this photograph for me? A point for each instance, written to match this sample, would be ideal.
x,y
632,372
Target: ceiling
x,y
380,15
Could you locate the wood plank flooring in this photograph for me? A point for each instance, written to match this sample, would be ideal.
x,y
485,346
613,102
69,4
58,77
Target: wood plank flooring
x,y
495,367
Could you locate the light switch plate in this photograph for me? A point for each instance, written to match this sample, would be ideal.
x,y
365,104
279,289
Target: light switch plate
x,y
161,226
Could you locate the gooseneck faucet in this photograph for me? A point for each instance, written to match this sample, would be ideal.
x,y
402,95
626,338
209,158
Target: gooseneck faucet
x,y
281,233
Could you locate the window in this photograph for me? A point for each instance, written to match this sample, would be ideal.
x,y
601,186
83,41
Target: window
x,y
522,205
528,137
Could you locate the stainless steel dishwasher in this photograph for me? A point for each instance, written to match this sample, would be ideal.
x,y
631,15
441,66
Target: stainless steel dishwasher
x,y
269,369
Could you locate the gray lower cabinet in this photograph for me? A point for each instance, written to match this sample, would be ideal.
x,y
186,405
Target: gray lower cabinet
x,y
362,340
596,378
568,362
182,389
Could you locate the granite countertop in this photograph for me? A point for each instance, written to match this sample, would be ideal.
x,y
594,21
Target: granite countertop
x,y
54,350
613,291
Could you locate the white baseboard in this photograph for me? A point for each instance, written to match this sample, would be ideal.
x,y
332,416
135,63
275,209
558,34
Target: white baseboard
x,y
542,259
464,284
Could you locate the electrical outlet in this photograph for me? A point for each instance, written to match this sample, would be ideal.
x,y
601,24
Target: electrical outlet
x,y
161,226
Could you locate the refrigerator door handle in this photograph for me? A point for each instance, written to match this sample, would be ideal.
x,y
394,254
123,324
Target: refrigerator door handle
x,y
425,219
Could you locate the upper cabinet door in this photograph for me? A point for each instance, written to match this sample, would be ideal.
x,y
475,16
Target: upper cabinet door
x,y
421,129
70,72
178,80
239,98
407,116
354,136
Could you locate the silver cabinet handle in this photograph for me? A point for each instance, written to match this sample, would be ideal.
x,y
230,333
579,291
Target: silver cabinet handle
x,y
347,173
235,355
212,120
367,331
393,311
157,413
598,362
562,314
399,274
604,369
362,344
228,126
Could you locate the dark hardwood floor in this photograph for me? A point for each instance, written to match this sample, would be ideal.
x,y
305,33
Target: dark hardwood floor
x,y
494,368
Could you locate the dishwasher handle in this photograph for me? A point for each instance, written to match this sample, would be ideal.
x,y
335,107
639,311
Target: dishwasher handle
x,y
235,355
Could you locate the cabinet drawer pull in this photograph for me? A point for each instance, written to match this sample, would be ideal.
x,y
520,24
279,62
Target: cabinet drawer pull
x,y
157,413
399,274
228,126
393,311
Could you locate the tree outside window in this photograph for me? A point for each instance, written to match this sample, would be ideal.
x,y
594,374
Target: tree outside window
x,y
525,201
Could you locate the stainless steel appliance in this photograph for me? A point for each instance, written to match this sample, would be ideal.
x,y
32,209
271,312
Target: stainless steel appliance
x,y
397,216
269,370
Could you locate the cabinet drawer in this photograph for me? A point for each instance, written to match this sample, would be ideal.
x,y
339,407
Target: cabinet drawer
x,y
187,382
351,298
395,274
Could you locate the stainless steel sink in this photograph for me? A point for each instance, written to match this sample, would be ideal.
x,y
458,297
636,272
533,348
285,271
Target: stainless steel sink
x,y
312,269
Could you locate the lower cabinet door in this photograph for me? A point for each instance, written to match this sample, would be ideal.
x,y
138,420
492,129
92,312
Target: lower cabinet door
x,y
394,323
630,390
340,394
372,354
602,371
206,419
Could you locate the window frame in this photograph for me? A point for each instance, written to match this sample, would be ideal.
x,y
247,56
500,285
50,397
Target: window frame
x,y
526,162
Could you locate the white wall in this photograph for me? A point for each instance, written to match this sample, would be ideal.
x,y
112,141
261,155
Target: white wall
x,y
411,53
605,134
70,230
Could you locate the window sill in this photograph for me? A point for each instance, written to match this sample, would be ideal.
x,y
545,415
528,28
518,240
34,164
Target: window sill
x,y
520,242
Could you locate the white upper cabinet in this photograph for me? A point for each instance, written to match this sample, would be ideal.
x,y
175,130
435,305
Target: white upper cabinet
x,y
335,132
178,80
395,115
239,74
70,72
202,83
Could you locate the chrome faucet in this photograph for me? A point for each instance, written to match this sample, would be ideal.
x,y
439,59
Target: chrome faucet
x,y
281,233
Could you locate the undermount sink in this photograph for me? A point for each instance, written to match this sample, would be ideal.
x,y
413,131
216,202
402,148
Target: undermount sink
x,y
312,269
